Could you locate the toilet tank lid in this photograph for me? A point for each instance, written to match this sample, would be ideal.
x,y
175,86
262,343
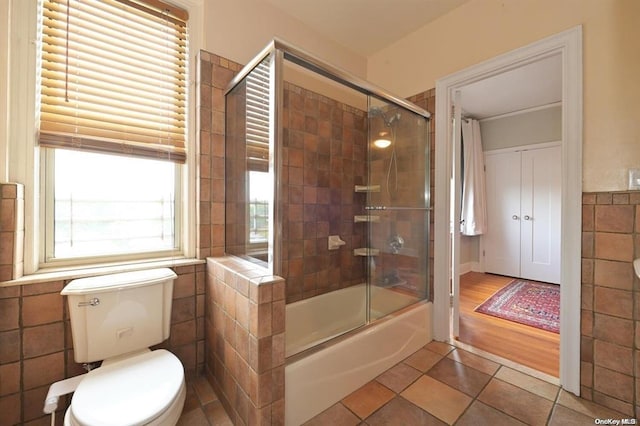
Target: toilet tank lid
x,y
122,280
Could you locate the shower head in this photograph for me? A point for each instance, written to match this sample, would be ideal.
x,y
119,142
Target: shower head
x,y
388,121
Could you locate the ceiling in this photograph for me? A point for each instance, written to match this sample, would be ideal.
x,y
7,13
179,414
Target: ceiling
x,y
536,84
365,26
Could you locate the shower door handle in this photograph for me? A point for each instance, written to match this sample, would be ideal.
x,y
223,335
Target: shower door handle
x,y
527,217
515,217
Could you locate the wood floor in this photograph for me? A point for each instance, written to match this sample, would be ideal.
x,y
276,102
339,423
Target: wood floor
x,y
535,348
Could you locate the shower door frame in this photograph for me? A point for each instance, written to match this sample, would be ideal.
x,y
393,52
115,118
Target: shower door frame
x,y
281,50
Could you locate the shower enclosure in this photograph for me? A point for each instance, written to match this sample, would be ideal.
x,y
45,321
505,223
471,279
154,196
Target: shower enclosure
x,y
327,185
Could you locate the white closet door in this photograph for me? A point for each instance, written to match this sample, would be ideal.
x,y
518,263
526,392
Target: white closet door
x,y
540,210
502,240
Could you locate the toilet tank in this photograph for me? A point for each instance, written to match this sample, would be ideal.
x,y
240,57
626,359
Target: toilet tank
x,y
120,313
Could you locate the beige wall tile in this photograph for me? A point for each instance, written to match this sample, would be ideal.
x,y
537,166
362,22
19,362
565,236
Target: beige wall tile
x,y
41,309
611,246
8,215
183,333
9,378
613,302
43,370
9,346
33,403
42,340
10,407
42,288
614,218
612,383
586,374
613,330
6,247
613,357
8,190
9,314
183,309
625,408
614,274
587,271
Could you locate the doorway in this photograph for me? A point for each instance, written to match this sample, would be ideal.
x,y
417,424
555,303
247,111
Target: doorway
x,y
568,46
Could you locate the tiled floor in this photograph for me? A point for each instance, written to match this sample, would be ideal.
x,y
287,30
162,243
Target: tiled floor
x,y
202,407
437,385
441,384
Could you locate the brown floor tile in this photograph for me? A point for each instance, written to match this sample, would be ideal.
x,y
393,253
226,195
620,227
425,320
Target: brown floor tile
x,y
585,407
439,347
399,411
529,383
566,417
336,415
216,414
204,390
523,405
368,399
480,414
423,360
438,399
193,418
474,361
399,377
191,401
459,376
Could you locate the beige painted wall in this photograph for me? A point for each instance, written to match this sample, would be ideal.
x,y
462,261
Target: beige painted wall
x,y
239,29
4,98
482,29
544,125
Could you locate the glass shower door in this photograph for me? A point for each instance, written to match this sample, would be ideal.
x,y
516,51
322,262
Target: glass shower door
x,y
397,208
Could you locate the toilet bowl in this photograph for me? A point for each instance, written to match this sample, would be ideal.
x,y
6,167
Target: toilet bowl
x,y
116,319
145,389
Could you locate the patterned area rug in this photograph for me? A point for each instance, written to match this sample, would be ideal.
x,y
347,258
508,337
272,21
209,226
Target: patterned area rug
x,y
527,302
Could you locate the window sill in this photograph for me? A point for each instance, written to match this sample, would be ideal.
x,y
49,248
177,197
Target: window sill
x,y
57,274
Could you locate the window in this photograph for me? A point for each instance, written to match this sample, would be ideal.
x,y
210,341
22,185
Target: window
x,y
108,204
112,123
257,134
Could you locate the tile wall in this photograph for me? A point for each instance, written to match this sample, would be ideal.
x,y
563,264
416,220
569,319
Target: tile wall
x,y
11,231
214,75
427,100
324,157
610,352
245,325
400,170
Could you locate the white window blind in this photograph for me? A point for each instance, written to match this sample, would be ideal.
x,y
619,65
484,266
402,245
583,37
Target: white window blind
x,y
113,77
257,132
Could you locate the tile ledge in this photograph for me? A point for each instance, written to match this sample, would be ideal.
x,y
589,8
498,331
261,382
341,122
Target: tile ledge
x,y
46,275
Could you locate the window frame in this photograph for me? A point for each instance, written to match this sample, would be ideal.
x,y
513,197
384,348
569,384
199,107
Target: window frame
x,y
23,156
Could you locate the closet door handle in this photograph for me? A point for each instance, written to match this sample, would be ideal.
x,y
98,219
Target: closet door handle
x,y
527,217
514,217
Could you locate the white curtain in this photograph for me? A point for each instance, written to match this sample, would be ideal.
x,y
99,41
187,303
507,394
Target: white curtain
x,y
473,215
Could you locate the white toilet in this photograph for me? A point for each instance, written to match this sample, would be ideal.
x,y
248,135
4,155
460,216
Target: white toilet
x,y
116,318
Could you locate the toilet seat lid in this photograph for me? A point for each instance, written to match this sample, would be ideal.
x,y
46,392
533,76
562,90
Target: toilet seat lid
x,y
132,391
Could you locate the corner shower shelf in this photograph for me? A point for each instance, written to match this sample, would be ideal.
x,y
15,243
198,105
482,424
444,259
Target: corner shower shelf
x,y
367,188
366,218
365,251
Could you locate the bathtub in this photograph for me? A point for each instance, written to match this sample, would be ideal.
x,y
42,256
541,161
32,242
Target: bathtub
x,y
315,382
